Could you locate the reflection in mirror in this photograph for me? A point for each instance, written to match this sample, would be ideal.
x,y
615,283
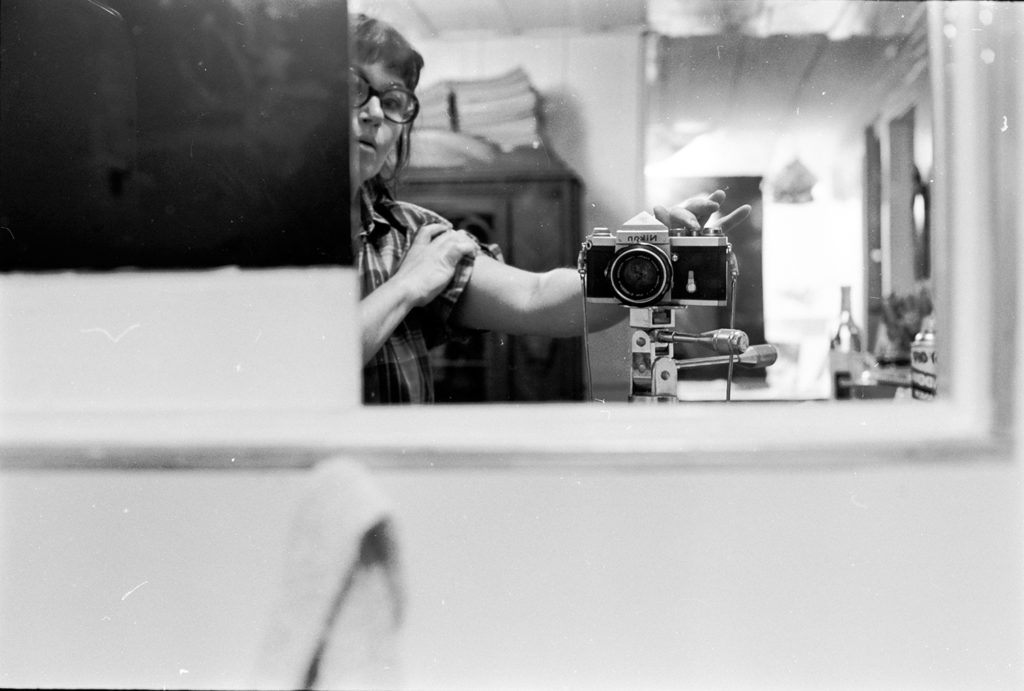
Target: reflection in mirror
x,y
789,96
541,121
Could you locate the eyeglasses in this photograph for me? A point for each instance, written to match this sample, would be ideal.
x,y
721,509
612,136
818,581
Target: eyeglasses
x,y
398,103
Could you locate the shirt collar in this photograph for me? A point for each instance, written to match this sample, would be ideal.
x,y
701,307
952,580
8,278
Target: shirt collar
x,y
377,212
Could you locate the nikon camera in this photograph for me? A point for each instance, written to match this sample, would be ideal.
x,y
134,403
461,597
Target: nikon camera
x,y
643,264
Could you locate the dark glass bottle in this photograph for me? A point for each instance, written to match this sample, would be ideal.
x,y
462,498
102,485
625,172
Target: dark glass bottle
x,y
846,349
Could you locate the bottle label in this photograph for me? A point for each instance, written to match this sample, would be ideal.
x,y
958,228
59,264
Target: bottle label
x,y
922,370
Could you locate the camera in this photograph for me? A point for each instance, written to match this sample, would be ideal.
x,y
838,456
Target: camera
x,y
644,264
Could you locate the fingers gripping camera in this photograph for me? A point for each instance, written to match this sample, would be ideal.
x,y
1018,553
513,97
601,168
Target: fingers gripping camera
x,y
644,264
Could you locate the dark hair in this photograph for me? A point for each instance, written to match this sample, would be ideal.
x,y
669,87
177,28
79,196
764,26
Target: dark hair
x,y
375,41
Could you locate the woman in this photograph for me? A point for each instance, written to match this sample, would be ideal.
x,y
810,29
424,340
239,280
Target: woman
x,y
422,281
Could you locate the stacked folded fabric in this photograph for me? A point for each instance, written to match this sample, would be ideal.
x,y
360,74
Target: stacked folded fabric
x,y
435,107
437,148
502,109
499,111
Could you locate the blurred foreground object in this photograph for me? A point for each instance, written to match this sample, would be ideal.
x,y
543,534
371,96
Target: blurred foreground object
x,y
337,616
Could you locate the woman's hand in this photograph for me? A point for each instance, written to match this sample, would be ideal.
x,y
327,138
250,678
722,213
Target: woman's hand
x,y
430,264
426,270
693,213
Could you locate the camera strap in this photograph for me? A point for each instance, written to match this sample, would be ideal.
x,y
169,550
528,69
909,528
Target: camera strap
x,y
582,270
734,273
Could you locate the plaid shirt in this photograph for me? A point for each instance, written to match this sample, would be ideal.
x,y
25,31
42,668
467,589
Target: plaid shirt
x,y
400,372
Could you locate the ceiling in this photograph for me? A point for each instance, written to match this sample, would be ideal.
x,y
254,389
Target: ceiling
x,y
837,19
754,67
765,81
456,18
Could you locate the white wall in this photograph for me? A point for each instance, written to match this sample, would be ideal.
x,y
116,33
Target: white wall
x,y
901,577
137,579
905,576
201,341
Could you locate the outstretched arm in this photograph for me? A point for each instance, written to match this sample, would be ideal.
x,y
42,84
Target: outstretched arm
x,y
503,298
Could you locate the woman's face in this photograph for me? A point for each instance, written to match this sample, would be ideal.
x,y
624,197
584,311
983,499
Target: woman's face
x,y
376,136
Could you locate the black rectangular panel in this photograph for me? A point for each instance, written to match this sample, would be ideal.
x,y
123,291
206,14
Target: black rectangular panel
x,y
174,134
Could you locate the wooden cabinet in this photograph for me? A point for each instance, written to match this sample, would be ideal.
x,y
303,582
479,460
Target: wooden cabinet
x,y
531,209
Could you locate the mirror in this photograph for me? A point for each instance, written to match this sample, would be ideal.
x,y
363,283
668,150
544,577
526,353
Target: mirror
x,y
541,122
592,75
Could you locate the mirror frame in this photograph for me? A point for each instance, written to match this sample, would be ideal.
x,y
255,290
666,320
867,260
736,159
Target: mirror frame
x,y
975,272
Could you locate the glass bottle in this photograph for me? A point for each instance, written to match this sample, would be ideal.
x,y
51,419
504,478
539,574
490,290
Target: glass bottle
x,y
846,350
922,361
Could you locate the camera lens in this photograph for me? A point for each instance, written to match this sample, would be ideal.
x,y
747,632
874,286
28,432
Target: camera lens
x,y
639,275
